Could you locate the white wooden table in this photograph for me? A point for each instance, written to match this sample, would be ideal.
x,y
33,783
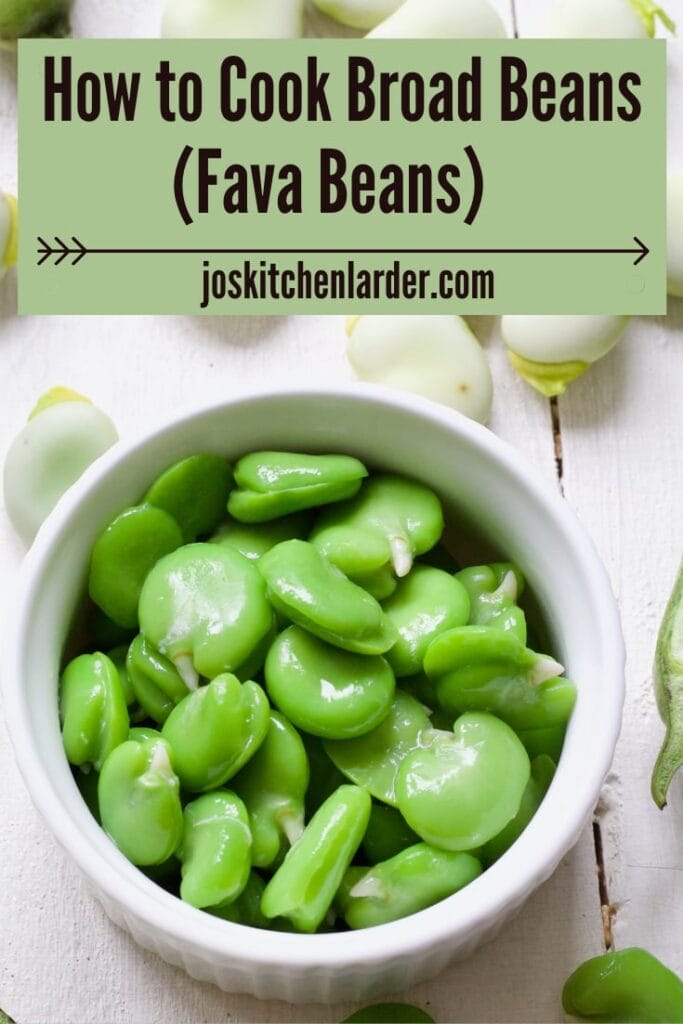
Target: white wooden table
x,y
619,454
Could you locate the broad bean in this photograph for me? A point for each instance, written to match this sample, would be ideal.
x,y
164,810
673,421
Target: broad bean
x,y
214,731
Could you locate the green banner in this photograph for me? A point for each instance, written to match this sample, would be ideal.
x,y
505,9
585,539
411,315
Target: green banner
x,y
342,176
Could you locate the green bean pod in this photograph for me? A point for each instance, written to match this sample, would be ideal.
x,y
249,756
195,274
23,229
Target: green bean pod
x,y
214,731
668,676
413,880
195,492
216,850
304,886
273,786
139,800
311,592
627,987
154,679
275,484
92,709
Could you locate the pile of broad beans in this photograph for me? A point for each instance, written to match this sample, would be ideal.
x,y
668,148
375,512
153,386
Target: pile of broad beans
x,y
307,716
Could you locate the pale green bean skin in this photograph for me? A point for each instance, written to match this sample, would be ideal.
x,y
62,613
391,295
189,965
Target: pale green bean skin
x,y
411,881
216,849
303,888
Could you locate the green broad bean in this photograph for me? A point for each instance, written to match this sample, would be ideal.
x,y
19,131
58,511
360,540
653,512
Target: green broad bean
x,y
542,774
311,592
155,681
325,777
246,908
389,523
205,608
92,710
195,492
273,786
118,657
214,731
255,539
139,799
462,789
425,604
303,888
387,834
123,556
494,591
216,850
548,742
325,691
627,987
389,1013
373,760
482,668
413,880
275,484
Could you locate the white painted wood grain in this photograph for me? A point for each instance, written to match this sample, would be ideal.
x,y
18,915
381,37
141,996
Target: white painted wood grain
x,y
61,961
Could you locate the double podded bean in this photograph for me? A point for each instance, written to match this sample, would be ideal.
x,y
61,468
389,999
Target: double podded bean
x,y
483,668
93,710
414,879
303,888
273,786
464,787
215,730
388,524
215,849
308,590
275,484
325,691
205,608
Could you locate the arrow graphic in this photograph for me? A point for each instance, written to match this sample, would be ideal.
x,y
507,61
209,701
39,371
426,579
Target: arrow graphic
x,y
77,251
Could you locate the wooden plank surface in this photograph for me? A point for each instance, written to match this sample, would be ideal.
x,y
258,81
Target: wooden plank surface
x,y
61,960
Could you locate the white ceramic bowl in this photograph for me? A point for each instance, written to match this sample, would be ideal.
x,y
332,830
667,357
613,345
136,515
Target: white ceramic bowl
x,y
475,474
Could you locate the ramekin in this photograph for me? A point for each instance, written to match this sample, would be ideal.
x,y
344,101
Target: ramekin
x,y
483,482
